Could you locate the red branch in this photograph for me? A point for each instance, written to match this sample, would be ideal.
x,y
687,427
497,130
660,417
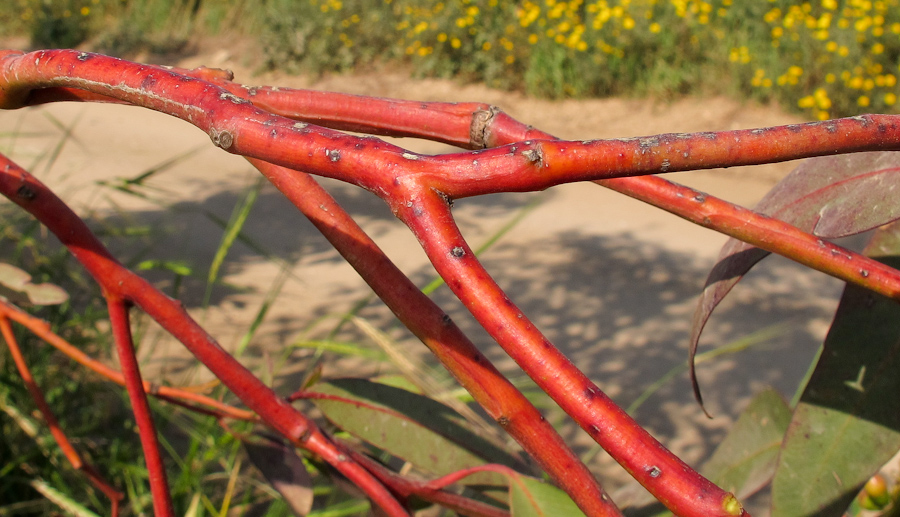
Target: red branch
x,y
56,431
33,196
121,330
669,479
40,329
500,399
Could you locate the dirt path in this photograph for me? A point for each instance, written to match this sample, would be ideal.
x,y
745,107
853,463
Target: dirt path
x,y
611,281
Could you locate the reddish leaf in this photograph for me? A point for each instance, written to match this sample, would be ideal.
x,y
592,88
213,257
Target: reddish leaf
x,y
284,470
830,197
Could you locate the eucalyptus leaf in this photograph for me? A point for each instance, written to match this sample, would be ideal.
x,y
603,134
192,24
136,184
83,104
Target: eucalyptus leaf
x,y
422,431
16,286
529,497
829,196
847,424
745,460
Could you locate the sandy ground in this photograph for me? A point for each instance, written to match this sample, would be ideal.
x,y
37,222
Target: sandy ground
x,y
611,281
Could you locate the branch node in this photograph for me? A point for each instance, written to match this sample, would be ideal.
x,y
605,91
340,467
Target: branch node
x,y
223,138
478,132
534,156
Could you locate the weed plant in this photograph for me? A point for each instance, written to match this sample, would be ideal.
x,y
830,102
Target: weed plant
x,y
825,58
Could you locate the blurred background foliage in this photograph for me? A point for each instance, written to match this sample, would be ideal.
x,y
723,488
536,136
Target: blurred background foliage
x,y
825,58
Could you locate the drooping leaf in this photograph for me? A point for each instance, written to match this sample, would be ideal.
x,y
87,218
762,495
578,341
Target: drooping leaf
x,y
529,497
831,197
45,294
745,460
422,431
847,423
16,285
285,472
13,277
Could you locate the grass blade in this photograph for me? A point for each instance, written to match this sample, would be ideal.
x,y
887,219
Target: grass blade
x,y
238,218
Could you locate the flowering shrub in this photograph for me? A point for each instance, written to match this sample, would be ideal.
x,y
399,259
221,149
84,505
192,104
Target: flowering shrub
x,y
825,58
820,57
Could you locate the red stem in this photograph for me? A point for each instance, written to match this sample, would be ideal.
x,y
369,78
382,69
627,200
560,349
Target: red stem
x,y
121,330
56,431
40,329
239,127
486,126
116,280
429,491
669,479
500,399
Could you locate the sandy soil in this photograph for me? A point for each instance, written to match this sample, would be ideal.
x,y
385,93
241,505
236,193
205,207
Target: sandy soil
x,y
611,281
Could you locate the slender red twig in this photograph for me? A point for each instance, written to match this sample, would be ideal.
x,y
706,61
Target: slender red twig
x,y
37,199
479,126
237,126
156,468
430,492
669,479
526,161
56,431
40,328
502,401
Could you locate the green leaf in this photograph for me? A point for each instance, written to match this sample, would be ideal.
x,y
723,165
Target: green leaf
x,y
530,497
847,423
745,460
424,432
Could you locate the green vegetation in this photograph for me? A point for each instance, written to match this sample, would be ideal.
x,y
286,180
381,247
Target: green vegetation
x,y
826,58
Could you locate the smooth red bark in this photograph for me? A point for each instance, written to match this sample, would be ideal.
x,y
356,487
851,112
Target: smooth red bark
x,y
156,469
500,399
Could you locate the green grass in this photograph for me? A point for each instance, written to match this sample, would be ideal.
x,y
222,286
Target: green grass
x,y
823,58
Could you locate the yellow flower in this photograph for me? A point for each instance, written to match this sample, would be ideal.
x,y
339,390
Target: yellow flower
x,y
821,98
806,102
862,101
85,11
655,28
890,99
